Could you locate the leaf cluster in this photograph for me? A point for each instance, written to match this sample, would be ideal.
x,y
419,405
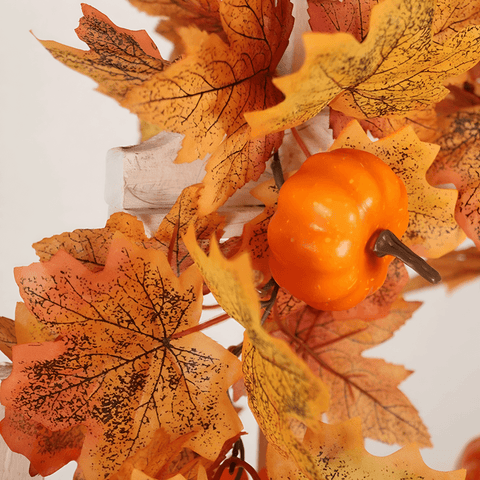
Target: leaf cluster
x,y
111,367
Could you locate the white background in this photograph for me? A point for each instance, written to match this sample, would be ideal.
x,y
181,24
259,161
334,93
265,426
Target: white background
x,y
54,133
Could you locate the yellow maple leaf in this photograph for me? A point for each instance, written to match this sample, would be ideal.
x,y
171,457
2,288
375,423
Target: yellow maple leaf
x,y
396,69
338,452
432,230
281,387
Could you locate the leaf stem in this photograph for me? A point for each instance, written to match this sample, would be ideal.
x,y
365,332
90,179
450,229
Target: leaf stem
x,y
201,326
300,142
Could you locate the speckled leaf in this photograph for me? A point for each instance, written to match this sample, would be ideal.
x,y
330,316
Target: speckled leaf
x,y
125,363
432,231
185,212
363,387
48,450
280,387
238,160
254,235
339,453
118,59
91,246
396,69
204,94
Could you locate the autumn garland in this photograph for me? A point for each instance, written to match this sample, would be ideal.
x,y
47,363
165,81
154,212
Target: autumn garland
x,y
110,364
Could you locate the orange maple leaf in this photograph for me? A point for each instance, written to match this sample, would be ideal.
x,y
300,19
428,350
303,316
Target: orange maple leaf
x,y
253,240
46,449
337,451
206,92
91,246
118,59
125,362
363,387
453,16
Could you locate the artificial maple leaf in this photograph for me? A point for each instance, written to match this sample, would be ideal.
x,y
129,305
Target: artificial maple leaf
x,y
338,452
423,122
432,231
238,160
47,450
458,162
91,246
348,16
396,69
363,387
280,387
118,59
456,268
7,336
126,361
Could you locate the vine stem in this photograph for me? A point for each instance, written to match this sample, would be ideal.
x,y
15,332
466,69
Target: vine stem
x,y
200,326
300,142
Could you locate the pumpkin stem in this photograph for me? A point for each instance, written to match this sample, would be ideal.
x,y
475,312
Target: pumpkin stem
x,y
388,244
